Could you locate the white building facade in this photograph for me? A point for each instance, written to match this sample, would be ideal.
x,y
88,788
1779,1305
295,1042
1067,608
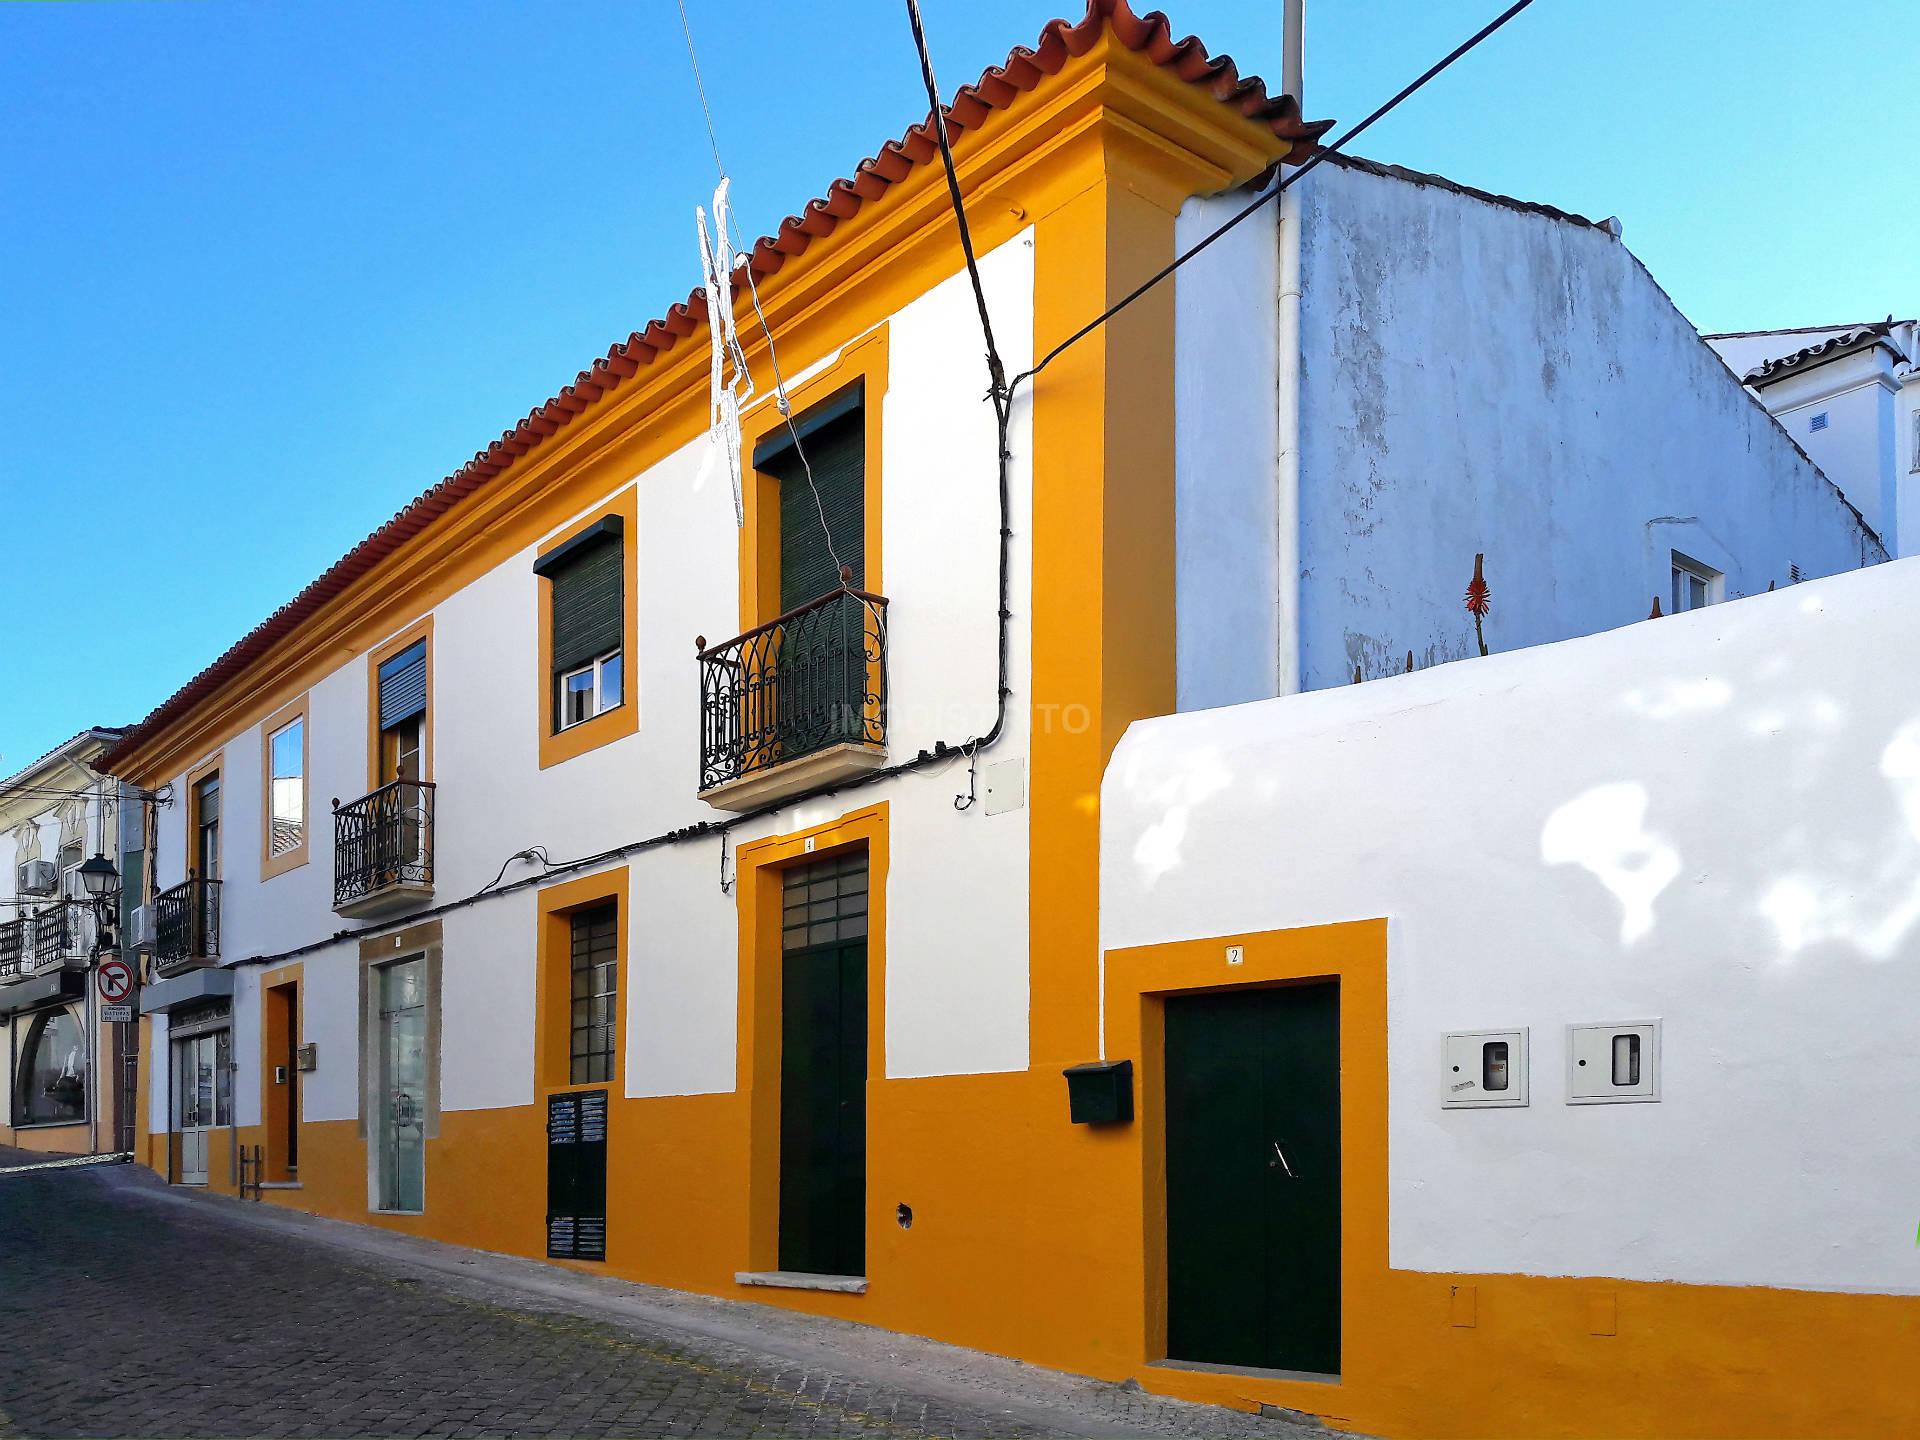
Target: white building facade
x,y
602,864
1694,838
64,1071
1850,396
1458,374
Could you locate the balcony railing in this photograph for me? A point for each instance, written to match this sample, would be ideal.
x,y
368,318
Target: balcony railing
x,y
186,927
812,681
383,848
13,948
62,936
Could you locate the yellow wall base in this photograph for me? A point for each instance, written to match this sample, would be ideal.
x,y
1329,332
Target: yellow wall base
x,y
1020,1245
72,1139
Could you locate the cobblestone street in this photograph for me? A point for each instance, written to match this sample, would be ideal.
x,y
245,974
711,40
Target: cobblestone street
x,y
127,1309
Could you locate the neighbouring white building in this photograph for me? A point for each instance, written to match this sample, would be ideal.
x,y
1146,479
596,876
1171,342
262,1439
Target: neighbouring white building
x,y
1626,935
1850,397
63,1071
1458,373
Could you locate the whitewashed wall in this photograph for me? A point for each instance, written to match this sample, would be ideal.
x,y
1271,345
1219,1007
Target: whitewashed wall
x,y
956,967
1867,445
1475,377
1235,619
1711,819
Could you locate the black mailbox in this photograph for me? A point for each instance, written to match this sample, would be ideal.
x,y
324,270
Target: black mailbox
x,y
1100,1093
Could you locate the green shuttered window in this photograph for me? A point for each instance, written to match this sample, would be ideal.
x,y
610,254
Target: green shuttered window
x,y
587,584
586,604
837,452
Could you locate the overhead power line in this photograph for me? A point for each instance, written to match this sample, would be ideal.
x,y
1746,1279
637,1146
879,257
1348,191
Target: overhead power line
x,y
1332,148
1003,401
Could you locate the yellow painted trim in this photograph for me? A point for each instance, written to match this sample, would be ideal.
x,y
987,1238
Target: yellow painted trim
x,y
553,1000
1020,166
421,629
865,361
1103,526
1138,982
271,864
623,719
757,897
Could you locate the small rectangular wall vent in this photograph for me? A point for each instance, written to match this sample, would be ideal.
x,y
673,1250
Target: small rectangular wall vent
x,y
1819,421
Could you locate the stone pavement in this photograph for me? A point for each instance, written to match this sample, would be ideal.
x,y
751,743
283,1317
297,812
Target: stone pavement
x,y
127,1308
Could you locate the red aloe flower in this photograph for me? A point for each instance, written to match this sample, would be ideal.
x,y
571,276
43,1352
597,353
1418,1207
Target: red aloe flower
x,y
1479,593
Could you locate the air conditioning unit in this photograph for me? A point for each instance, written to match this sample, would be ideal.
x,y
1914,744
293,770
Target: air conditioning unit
x,y
38,877
140,936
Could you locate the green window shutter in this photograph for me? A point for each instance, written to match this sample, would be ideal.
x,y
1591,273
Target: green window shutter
x,y
837,451
586,604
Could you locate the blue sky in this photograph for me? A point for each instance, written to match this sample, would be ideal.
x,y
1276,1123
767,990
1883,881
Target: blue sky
x,y
269,271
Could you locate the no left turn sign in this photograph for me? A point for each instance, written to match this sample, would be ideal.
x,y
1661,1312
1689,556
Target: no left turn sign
x,y
115,980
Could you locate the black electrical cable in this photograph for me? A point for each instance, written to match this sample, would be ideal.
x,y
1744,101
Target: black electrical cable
x,y
939,113
1002,397
1333,147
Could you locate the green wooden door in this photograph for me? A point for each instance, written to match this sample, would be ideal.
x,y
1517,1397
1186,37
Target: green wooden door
x,y
1253,1178
823,1109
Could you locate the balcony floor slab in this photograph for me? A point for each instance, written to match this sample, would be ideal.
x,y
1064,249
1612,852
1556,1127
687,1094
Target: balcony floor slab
x,y
790,777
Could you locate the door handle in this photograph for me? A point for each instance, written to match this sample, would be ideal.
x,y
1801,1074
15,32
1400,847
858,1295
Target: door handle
x,y
1281,1159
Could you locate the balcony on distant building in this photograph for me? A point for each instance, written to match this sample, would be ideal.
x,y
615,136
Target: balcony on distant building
x,y
186,928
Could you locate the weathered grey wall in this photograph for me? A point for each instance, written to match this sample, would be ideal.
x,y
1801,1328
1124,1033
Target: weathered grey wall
x,y
1481,377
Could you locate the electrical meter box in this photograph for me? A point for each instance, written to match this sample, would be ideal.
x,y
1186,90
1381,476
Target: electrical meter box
x,y
1484,1069
1613,1064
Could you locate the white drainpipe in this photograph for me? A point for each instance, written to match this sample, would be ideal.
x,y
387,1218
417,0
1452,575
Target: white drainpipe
x,y
1286,479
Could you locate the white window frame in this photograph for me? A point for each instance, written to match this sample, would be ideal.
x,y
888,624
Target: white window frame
x,y
1715,582
599,704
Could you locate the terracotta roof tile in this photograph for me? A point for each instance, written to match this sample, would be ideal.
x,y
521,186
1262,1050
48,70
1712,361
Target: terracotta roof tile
x,y
996,89
1768,371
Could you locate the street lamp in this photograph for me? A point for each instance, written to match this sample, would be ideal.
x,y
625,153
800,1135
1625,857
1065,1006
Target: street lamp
x,y
99,876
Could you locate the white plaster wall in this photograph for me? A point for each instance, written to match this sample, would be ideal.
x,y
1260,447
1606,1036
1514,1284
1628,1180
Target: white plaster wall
x,y
1856,448
1711,819
956,985
330,1013
1233,615
1482,379
159,1105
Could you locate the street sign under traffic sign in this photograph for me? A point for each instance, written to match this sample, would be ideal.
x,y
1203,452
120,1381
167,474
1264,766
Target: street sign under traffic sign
x,y
115,979
116,1014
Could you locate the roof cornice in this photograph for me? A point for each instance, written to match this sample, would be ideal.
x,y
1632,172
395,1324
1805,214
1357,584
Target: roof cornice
x,y
1187,116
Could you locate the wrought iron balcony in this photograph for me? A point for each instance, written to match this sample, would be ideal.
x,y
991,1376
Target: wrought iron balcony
x,y
186,927
383,849
13,949
62,937
798,701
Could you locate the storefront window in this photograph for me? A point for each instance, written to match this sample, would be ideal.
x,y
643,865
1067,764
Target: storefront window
x,y
53,1068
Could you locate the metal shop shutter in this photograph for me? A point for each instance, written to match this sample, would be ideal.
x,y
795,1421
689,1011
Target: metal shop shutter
x,y
577,1175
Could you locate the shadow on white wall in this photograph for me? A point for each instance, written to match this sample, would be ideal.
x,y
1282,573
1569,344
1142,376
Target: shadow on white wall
x,y
1604,831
